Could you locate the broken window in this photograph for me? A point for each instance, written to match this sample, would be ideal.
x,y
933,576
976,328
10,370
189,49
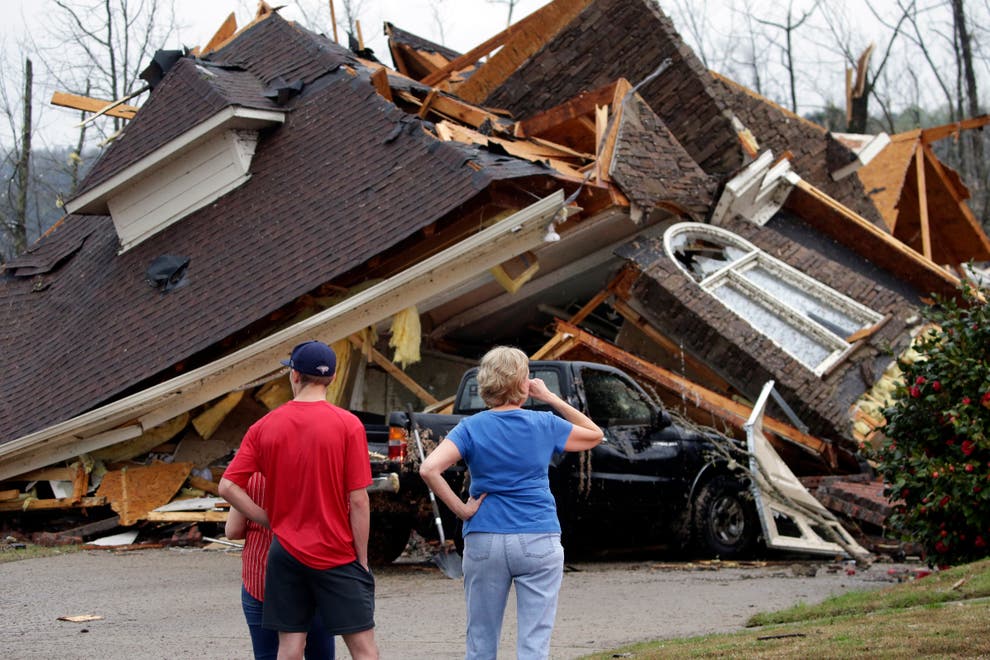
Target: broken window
x,y
806,318
614,402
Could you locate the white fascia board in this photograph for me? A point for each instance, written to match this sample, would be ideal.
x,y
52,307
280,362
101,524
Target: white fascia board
x,y
864,155
95,200
144,410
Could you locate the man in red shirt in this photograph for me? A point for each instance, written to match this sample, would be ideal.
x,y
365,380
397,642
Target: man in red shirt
x,y
314,457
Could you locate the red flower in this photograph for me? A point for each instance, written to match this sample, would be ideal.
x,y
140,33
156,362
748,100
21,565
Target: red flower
x,y
950,441
937,386
941,547
943,501
943,533
976,489
934,474
920,380
967,447
985,398
905,492
915,392
966,401
969,467
979,542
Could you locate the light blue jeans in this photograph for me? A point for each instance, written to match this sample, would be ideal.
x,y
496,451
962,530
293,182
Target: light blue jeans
x,y
492,564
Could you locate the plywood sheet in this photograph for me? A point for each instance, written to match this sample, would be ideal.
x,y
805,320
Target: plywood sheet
x,y
134,491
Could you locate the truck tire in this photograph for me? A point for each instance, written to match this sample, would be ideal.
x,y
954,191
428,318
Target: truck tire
x,y
725,522
388,537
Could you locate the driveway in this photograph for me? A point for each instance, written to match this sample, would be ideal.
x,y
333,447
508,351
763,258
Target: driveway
x,y
184,603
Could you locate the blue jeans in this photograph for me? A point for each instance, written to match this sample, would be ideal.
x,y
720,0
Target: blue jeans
x,y
319,645
492,564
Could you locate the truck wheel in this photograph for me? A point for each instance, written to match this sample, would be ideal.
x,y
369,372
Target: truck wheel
x,y
725,523
388,537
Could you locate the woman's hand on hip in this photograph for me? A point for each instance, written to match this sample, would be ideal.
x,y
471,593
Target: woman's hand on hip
x,y
471,507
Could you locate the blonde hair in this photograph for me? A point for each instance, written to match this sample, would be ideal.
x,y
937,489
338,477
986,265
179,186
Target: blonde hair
x,y
502,376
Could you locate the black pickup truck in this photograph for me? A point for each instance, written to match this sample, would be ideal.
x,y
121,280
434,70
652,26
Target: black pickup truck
x,y
650,482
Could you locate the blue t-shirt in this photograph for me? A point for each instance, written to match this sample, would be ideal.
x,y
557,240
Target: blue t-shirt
x,y
508,453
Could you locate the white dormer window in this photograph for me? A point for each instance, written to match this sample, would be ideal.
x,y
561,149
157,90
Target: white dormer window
x,y
809,320
181,177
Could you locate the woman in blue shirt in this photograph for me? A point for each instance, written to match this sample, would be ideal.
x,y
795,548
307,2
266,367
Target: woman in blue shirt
x,y
511,530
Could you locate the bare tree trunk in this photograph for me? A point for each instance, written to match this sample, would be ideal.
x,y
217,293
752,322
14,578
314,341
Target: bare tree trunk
x,y
788,29
969,101
23,168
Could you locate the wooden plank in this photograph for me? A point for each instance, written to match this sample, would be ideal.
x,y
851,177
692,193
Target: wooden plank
x,y
46,505
457,109
935,133
135,491
80,484
926,231
88,104
470,57
580,106
144,443
530,34
11,494
225,32
185,516
590,306
47,474
204,484
394,371
380,80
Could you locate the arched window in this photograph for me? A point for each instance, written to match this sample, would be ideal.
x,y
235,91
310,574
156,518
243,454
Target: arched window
x,y
810,321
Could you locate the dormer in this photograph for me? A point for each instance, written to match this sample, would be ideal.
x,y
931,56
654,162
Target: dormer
x,y
181,176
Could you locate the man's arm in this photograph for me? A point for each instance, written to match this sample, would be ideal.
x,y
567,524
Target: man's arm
x,y
360,515
240,500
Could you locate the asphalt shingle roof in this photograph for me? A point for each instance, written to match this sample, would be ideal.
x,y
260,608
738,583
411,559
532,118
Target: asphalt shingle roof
x,y
347,176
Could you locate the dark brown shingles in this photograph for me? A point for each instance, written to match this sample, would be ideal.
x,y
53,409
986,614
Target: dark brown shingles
x,y
629,39
811,146
332,187
652,168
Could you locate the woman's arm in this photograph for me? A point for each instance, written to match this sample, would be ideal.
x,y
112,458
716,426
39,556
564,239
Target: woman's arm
x,y
236,525
432,469
585,434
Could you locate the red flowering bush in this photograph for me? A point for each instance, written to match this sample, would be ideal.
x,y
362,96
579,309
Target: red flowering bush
x,y
935,457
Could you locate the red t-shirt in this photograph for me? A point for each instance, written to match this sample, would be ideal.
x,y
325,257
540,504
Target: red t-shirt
x,y
257,539
312,455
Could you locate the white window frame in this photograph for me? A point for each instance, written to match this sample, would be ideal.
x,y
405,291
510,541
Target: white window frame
x,y
836,346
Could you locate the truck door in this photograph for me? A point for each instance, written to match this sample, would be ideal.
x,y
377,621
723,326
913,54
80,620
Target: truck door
x,y
637,466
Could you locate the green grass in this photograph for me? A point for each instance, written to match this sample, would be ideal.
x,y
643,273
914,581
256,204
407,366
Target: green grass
x,y
942,615
31,551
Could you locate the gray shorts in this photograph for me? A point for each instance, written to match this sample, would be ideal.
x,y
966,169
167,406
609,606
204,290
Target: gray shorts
x,y
343,595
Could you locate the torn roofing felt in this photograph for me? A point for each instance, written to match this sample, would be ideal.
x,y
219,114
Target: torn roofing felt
x,y
327,193
629,39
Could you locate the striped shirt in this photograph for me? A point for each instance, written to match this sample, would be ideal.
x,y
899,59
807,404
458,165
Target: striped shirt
x,y
257,539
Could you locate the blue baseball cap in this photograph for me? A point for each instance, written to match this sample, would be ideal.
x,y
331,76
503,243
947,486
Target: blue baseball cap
x,y
313,358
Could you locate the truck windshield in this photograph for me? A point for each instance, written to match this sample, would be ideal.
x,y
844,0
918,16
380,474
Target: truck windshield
x,y
614,402
470,400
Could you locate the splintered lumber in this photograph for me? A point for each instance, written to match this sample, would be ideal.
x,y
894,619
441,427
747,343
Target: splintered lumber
x,y
61,503
207,422
185,516
12,494
204,484
88,104
226,30
380,80
47,474
134,491
694,396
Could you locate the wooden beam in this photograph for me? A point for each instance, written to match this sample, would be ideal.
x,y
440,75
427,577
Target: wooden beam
x,y
380,80
528,36
590,306
47,505
731,412
47,474
185,516
394,371
581,105
470,57
226,30
926,232
204,484
935,133
11,494
88,104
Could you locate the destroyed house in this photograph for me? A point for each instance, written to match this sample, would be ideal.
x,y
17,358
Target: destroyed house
x,y
581,166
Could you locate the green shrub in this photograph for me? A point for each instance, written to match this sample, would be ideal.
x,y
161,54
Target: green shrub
x,y
935,456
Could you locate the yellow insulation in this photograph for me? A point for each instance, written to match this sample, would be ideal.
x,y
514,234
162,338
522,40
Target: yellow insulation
x,y
406,335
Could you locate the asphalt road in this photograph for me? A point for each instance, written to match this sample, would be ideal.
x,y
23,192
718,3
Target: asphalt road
x,y
184,603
